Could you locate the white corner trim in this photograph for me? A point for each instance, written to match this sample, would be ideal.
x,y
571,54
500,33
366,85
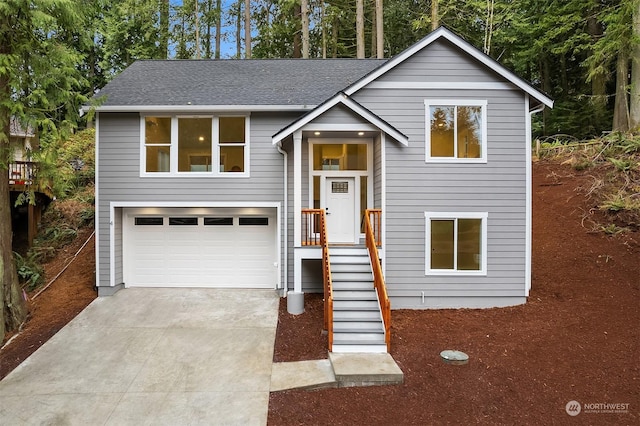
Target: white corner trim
x,y
96,219
464,46
528,198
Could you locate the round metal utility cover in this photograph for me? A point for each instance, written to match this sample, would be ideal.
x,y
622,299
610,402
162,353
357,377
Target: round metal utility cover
x,y
454,357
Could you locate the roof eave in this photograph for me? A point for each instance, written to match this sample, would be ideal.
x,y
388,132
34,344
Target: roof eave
x,y
341,98
195,108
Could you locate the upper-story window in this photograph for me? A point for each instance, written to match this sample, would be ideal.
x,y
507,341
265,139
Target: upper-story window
x,y
456,131
195,145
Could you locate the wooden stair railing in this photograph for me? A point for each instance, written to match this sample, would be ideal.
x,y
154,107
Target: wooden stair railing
x,y
373,233
314,233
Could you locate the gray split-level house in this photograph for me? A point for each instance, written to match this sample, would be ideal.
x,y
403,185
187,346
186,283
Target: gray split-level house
x,y
205,169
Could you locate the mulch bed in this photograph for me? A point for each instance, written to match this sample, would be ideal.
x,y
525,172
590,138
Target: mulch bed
x,y
575,339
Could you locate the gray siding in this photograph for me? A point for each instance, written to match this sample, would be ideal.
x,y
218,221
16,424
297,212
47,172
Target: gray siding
x,y
339,114
441,61
413,186
312,276
119,179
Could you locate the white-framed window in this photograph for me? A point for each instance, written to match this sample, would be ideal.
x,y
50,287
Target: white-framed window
x,y
456,130
194,145
456,243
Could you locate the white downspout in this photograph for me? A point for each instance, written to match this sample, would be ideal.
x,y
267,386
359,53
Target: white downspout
x,y
285,263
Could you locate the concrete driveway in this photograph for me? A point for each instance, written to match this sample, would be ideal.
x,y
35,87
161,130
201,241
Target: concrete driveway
x,y
152,357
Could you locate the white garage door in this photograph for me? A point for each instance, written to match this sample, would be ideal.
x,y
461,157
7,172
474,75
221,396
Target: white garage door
x,y
200,248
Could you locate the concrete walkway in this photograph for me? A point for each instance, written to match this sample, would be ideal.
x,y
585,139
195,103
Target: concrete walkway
x,y
152,357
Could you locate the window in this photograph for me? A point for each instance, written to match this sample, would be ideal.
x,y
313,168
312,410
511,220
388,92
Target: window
x,y
149,221
256,221
456,131
188,145
345,156
218,221
181,221
456,243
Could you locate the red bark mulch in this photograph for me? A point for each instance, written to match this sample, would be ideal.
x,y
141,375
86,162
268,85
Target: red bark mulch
x,y
575,339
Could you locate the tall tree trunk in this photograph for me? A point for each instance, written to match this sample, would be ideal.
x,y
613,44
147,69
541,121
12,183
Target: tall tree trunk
x,y
218,27
488,31
634,103
207,42
247,29
374,30
239,29
304,12
599,80
13,308
324,30
197,25
164,29
435,17
297,50
360,29
621,106
379,29
334,38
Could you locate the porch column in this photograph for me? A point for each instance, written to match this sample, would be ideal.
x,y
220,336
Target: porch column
x,y
297,189
295,299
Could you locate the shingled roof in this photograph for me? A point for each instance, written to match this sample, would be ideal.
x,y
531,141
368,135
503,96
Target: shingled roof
x,y
246,82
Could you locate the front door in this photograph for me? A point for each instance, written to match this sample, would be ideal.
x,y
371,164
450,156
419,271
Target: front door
x,y
340,208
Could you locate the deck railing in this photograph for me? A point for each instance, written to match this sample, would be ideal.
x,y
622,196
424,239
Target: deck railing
x,y
315,234
373,232
22,172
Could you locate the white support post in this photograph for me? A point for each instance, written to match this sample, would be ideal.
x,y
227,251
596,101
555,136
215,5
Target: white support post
x,y
297,189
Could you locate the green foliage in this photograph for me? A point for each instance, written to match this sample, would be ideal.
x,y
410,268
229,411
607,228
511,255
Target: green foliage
x,y
30,272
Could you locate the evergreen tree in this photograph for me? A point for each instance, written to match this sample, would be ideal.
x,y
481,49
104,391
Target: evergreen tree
x,y
39,85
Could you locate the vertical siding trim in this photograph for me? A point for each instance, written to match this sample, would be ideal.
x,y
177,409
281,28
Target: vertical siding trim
x,y
96,219
112,246
383,198
528,196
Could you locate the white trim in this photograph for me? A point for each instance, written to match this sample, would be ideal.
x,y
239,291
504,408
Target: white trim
x,y
356,174
383,200
455,103
528,196
297,192
328,127
483,216
215,148
464,46
113,205
434,85
96,219
341,98
196,108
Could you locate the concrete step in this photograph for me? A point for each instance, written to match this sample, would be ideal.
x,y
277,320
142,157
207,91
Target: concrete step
x,y
352,368
351,276
350,267
372,349
358,327
356,305
356,316
354,295
353,285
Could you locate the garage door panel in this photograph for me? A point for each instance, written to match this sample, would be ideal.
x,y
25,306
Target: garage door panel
x,y
223,254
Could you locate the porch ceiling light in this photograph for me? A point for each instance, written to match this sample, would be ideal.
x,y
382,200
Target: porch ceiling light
x,y
316,133
360,133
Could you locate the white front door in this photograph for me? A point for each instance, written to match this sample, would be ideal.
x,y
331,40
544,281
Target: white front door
x,y
340,208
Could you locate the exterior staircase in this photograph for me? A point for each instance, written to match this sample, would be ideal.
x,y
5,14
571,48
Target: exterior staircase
x,y
357,320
